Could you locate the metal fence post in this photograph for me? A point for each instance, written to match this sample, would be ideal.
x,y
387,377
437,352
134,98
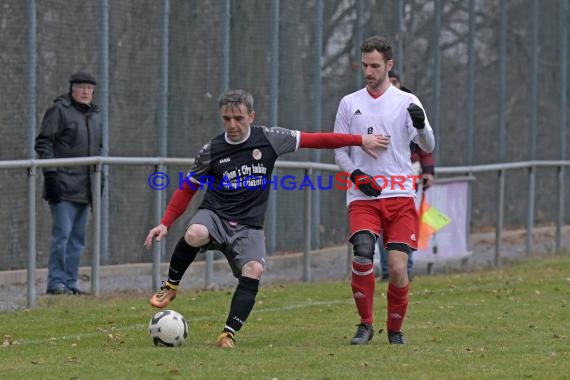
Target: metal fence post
x,y
563,13
32,104
318,115
358,39
561,208
226,22
500,217
103,91
209,272
436,78
273,116
96,207
530,214
307,232
156,257
32,212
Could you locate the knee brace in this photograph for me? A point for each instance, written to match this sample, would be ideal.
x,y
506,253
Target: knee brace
x,y
363,244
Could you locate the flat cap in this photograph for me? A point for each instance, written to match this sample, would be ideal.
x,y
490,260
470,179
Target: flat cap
x,y
82,77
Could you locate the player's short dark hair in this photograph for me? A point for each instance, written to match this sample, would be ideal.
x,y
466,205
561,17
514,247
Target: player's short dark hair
x,y
235,98
381,45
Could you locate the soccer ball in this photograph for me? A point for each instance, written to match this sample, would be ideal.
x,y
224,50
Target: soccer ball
x,y
168,328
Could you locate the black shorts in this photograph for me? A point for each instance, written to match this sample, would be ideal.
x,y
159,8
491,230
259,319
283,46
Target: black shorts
x,y
238,242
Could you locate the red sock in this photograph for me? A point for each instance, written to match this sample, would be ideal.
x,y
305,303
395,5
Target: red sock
x,y
397,307
363,290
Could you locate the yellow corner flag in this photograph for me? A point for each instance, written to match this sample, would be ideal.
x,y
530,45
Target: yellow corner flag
x,y
431,221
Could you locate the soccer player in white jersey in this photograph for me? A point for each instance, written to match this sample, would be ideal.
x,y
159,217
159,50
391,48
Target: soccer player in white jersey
x,y
382,198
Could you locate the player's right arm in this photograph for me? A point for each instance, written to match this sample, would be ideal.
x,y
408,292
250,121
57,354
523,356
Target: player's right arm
x,y
182,196
176,207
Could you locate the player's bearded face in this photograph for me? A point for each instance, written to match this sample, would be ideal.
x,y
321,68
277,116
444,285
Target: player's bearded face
x,y
236,121
375,69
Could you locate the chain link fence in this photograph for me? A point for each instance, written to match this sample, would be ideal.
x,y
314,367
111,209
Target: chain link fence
x,y
491,74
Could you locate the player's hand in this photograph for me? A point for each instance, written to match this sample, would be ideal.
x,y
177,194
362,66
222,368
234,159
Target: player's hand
x,y
364,182
427,180
159,232
418,116
370,142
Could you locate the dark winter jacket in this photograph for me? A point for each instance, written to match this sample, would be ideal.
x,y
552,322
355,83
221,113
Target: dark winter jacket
x,y
68,130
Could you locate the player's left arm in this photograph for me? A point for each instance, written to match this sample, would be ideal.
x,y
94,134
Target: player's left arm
x,y
329,140
424,138
339,140
284,140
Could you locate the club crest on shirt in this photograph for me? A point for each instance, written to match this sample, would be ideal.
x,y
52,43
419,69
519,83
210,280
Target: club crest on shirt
x,y
256,154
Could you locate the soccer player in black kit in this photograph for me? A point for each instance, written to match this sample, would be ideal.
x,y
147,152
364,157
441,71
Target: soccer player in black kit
x,y
236,166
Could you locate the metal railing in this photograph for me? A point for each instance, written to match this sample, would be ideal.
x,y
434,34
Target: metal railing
x,y
161,163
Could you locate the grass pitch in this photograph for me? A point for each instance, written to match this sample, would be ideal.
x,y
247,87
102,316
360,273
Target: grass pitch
x,y
512,323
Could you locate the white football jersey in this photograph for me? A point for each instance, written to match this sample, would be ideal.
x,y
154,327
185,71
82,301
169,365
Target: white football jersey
x,y
360,113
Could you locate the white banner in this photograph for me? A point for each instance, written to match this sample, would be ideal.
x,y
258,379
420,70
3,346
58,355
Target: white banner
x,y
450,242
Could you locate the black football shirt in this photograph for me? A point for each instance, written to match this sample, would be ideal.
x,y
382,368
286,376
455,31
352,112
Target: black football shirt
x,y
238,177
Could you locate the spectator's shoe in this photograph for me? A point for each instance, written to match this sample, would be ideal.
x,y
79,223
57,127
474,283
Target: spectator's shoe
x,y
163,297
226,340
363,335
60,290
396,337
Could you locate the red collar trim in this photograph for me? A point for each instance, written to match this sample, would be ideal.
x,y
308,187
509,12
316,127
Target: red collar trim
x,y
373,94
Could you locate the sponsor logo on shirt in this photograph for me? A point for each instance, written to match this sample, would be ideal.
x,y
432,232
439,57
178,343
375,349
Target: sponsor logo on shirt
x,y
225,160
357,112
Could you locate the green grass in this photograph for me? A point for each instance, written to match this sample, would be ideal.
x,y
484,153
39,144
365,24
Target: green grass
x,y
506,324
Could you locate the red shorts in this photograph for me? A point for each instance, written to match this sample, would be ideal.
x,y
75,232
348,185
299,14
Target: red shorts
x,y
394,218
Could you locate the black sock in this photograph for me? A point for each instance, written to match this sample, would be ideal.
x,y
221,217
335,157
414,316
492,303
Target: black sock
x,y
181,259
242,303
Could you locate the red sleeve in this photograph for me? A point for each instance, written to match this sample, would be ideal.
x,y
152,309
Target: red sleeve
x,y
178,204
425,158
328,140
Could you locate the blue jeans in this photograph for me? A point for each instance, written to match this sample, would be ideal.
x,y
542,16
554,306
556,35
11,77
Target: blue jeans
x,y
384,260
69,225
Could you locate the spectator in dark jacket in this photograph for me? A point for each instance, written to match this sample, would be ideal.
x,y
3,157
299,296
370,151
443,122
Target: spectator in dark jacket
x,y
71,127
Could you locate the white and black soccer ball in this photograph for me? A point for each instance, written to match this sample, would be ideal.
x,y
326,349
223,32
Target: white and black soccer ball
x,y
168,328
